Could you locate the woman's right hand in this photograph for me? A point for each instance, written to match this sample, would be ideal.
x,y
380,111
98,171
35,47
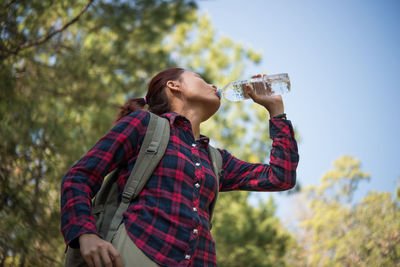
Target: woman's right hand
x,y
96,251
273,104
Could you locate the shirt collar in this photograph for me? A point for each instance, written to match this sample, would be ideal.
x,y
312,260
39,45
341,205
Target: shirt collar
x,y
204,140
176,119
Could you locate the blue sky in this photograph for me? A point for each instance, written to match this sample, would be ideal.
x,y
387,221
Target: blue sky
x,y
343,60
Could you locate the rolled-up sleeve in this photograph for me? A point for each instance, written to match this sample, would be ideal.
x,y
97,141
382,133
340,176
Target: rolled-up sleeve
x,y
84,179
278,175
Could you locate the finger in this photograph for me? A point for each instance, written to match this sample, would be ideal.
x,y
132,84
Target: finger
x,y
106,257
249,91
97,260
89,262
116,257
88,259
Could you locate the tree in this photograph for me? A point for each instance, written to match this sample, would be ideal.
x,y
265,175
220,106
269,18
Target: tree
x,y
58,96
247,235
16,39
333,232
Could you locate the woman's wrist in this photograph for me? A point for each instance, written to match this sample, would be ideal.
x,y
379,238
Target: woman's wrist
x,y
280,116
275,106
273,113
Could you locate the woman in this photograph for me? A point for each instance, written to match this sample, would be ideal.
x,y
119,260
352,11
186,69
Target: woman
x,y
168,223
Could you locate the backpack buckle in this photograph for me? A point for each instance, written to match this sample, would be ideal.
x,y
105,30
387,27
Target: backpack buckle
x,y
152,148
127,196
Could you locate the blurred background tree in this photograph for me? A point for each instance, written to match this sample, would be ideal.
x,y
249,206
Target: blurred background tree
x,y
65,67
59,95
249,236
337,231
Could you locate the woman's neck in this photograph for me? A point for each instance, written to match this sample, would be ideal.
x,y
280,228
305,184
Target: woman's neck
x,y
194,121
193,116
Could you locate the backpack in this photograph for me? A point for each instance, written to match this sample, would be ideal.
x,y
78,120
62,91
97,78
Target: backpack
x,y
105,208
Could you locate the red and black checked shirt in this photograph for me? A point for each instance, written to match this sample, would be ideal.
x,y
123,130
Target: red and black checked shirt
x,y
169,220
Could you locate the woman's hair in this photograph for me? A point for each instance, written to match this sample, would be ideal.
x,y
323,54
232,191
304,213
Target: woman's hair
x,y
156,97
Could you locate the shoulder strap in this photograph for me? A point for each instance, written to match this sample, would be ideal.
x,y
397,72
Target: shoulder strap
x,y
216,161
151,151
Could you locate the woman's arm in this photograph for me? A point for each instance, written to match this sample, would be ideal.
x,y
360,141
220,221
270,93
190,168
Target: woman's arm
x,y
84,179
278,175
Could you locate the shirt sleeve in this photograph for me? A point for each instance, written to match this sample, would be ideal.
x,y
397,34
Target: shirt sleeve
x,y
278,175
84,179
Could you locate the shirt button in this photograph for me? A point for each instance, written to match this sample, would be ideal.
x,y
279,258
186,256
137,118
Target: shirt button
x,y
197,185
187,257
194,209
195,231
197,164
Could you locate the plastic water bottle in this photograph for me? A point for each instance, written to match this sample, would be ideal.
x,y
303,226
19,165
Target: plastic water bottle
x,y
275,84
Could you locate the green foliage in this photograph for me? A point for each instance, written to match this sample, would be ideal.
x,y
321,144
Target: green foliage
x,y
341,182
334,233
247,235
58,97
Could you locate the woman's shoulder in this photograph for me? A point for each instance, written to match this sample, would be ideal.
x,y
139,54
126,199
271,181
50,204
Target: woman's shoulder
x,y
135,122
139,113
137,117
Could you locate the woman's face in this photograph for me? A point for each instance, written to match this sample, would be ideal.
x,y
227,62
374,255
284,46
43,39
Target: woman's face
x,y
197,91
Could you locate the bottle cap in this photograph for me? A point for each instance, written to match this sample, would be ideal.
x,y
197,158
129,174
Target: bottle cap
x,y
219,93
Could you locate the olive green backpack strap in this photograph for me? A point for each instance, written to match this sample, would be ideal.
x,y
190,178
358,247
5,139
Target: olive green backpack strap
x,y
216,161
152,150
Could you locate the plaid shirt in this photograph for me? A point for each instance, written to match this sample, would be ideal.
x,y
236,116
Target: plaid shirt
x,y
169,220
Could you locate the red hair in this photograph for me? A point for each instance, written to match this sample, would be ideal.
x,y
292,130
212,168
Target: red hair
x,y
156,98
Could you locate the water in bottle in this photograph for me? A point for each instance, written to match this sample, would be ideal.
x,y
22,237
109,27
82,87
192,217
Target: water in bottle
x,y
275,84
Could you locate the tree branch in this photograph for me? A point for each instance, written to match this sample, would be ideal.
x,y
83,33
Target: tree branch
x,y
45,38
62,28
10,3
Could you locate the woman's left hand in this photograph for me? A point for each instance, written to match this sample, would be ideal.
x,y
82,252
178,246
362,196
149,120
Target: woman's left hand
x,y
274,104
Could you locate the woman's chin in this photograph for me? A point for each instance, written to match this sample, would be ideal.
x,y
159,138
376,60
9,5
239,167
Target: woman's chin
x,y
213,106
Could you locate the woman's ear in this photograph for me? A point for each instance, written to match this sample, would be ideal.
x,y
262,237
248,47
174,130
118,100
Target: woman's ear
x,y
174,86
